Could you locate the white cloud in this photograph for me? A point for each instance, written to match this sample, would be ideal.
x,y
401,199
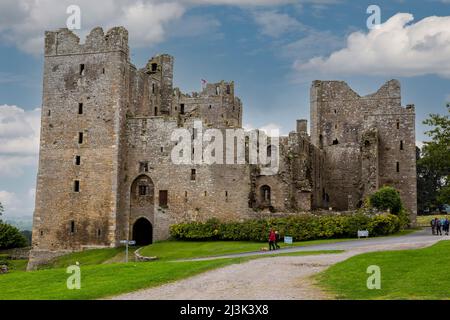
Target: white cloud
x,y
17,205
397,48
275,24
270,129
23,22
19,139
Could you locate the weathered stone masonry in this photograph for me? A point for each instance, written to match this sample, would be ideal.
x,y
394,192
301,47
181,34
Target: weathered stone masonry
x,y
105,172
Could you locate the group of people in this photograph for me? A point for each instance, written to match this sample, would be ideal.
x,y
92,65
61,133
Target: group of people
x,y
439,225
274,237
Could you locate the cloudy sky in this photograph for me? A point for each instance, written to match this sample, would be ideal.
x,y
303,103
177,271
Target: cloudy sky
x,y
272,49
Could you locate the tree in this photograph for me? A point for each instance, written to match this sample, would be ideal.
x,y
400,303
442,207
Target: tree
x,y
433,166
387,198
10,237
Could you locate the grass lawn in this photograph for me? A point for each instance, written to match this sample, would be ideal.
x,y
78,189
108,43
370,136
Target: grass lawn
x,y
408,274
103,280
90,257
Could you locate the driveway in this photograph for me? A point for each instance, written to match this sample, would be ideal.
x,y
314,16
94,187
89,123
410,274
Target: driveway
x,y
284,277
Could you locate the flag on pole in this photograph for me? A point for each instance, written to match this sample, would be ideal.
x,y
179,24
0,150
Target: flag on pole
x,y
204,82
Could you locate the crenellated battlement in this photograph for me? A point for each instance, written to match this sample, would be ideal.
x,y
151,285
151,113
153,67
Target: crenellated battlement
x,y
64,41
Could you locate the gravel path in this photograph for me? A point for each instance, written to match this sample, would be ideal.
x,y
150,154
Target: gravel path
x,y
289,276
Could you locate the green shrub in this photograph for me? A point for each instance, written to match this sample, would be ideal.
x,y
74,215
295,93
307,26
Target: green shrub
x,y
10,237
304,227
387,198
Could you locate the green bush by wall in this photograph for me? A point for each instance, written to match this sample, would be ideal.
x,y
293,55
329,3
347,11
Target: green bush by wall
x,y
304,227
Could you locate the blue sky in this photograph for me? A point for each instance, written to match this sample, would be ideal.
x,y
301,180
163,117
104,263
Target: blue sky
x,y
272,49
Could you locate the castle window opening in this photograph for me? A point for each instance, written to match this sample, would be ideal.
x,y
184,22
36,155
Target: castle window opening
x,y
143,190
269,151
49,112
42,233
226,195
77,160
82,69
80,108
182,108
228,89
163,196
143,166
156,111
76,186
153,88
398,166
154,67
266,195
335,111
103,71
80,137
72,226
335,142
206,193
162,149
398,124
210,106
99,232
401,144
193,174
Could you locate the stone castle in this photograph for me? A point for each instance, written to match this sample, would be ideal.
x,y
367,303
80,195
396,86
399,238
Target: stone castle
x,y
105,171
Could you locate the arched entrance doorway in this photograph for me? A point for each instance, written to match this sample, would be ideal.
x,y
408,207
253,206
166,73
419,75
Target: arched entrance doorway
x,y
142,232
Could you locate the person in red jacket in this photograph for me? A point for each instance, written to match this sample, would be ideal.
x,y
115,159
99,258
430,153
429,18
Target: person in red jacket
x,y
272,239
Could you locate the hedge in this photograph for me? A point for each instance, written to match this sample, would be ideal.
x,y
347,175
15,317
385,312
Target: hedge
x,y
305,227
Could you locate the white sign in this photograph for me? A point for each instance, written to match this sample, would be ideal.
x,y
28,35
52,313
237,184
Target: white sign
x,y
363,233
288,240
130,242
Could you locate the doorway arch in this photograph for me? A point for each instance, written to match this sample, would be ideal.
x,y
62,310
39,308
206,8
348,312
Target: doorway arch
x,y
142,232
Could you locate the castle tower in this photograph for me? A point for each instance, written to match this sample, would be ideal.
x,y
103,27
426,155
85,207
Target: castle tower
x,y
83,113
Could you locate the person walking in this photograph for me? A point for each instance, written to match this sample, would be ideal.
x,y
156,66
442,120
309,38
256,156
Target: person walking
x,y
277,238
272,238
438,226
446,226
433,226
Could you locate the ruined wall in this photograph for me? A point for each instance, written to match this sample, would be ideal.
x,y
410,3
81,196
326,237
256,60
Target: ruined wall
x,y
219,191
342,123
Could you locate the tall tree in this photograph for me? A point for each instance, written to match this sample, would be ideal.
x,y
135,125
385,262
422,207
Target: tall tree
x,y
433,167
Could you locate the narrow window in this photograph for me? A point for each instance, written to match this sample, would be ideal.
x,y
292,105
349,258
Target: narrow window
x,y
335,111
42,233
398,124
182,108
103,71
153,88
193,174
77,160
76,186
228,89
163,198
80,137
156,111
210,106
99,232
143,166
49,113
80,108
401,144
185,196
142,190
82,69
398,166
206,193
226,195
154,67
72,226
